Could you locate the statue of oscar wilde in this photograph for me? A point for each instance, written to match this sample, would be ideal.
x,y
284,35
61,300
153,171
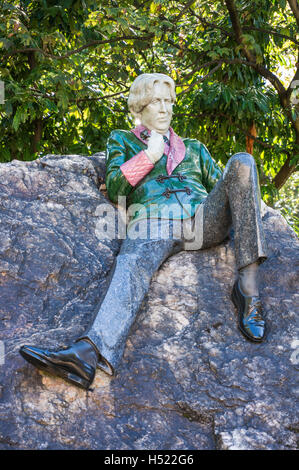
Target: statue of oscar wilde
x,y
157,170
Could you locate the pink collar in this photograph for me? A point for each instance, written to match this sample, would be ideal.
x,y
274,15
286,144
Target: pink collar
x,y
175,151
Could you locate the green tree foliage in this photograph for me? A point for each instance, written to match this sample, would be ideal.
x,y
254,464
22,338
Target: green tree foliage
x,y
67,67
287,203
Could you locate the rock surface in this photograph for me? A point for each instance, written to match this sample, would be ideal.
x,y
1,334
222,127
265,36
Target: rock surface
x,y
188,379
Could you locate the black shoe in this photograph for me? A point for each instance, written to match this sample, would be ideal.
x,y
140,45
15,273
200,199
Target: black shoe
x,y
251,322
76,364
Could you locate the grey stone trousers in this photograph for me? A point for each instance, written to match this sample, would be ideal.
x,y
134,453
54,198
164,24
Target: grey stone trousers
x,y
233,202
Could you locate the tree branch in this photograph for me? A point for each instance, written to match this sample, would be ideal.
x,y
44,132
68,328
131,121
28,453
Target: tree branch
x,y
251,59
284,173
208,23
262,70
103,97
76,100
201,79
295,9
178,17
230,4
245,132
270,31
79,49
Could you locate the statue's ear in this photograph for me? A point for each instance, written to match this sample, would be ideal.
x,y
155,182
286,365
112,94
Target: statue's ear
x,y
137,117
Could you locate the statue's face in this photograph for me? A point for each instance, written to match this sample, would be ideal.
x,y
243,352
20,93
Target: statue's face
x,y
158,113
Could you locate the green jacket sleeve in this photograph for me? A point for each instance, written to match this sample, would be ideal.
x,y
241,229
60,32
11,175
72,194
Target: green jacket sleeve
x,y
211,172
116,183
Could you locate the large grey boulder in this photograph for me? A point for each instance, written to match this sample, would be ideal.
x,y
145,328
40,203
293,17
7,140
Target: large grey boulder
x,y
188,379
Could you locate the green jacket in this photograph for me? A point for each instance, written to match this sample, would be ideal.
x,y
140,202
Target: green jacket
x,y
154,195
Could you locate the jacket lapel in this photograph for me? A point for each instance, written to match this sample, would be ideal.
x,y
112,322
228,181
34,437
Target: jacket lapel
x,y
175,151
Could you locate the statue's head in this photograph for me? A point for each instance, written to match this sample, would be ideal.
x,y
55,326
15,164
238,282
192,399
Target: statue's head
x,y
150,101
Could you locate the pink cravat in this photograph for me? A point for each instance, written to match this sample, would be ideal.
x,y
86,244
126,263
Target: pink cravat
x,y
175,151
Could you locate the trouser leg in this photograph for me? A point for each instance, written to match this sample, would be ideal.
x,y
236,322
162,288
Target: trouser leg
x,y
133,269
235,202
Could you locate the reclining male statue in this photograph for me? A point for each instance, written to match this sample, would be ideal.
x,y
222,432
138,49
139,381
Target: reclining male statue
x,y
184,202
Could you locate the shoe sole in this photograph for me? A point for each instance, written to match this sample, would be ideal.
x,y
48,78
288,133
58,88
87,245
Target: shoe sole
x,y
44,365
236,302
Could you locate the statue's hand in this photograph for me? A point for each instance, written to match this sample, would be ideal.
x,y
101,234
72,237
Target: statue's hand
x,y
155,148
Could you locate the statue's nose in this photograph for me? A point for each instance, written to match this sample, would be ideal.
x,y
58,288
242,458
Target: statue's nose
x,y
162,106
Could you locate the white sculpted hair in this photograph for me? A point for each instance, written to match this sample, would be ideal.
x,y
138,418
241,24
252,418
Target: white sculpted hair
x,y
141,91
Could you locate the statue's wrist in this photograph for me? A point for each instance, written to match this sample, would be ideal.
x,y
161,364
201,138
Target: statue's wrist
x,y
150,156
